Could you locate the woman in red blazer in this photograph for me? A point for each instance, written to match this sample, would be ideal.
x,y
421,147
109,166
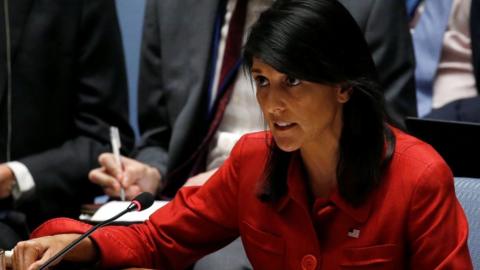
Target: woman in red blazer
x,y
330,186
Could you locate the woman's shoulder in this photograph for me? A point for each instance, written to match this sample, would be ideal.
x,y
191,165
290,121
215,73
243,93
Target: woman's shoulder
x,y
258,136
416,172
416,162
413,149
253,143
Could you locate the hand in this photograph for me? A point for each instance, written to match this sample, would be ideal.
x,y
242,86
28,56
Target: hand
x,y
136,177
200,179
7,181
31,254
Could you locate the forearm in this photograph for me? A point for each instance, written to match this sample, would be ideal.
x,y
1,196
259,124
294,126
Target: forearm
x,y
154,156
65,169
85,252
34,253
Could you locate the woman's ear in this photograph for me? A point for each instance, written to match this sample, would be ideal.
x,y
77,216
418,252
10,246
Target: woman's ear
x,y
344,93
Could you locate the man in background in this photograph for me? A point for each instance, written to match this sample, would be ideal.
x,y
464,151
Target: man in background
x,y
62,85
446,36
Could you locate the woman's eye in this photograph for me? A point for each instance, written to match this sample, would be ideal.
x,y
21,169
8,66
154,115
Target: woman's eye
x,y
291,81
261,81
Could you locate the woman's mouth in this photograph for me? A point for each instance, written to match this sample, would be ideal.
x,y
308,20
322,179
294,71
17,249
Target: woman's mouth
x,y
283,126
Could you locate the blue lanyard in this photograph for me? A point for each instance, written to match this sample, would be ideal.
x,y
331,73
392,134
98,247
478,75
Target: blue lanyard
x,y
231,73
214,52
222,88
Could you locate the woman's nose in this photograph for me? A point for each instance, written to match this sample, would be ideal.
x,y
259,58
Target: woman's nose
x,y
276,110
274,102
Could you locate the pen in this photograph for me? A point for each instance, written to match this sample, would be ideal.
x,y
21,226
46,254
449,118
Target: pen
x,y
8,258
115,141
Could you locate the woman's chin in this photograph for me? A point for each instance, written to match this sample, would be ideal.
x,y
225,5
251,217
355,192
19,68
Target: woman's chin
x,y
287,146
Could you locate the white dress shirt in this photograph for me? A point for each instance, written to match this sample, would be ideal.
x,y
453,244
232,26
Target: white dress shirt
x,y
242,115
455,79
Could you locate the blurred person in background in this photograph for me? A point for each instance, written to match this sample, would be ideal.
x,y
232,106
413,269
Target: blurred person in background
x,y
446,37
62,85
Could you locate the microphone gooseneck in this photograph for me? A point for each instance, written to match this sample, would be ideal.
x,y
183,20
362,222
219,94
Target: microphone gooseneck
x,y
141,202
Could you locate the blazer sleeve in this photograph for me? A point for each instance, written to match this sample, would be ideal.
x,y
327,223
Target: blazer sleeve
x,y
155,127
437,226
99,91
196,222
390,43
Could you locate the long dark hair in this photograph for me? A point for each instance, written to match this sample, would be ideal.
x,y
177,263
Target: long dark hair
x,y
319,41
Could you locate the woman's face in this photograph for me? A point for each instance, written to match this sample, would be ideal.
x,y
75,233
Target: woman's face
x,y
300,114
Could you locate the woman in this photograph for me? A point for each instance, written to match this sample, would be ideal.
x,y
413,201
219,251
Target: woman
x,y
330,186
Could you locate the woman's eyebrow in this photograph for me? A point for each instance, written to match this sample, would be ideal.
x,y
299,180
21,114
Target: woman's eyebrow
x,y
256,70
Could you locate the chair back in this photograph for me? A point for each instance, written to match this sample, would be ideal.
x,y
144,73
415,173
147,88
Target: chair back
x,y
468,193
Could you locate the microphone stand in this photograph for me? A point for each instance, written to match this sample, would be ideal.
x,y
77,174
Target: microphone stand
x,y
70,246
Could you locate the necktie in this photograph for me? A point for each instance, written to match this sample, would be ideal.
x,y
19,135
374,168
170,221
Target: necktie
x,y
230,65
427,43
232,53
411,7
228,71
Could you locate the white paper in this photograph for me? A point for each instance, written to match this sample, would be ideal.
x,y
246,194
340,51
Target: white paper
x,y
112,208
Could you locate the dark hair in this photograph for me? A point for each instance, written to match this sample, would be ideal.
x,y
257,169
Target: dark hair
x,y
319,41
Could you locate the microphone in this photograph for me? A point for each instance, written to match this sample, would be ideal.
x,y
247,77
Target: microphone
x,y
141,202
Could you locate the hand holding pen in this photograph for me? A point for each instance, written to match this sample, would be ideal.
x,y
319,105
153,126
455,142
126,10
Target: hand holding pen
x,y
124,175
115,142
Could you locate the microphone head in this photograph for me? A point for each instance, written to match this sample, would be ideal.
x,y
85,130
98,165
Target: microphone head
x,y
143,201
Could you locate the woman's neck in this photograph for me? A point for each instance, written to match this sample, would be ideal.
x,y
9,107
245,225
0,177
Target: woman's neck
x,y
320,163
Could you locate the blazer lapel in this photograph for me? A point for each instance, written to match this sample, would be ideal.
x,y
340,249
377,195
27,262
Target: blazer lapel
x,y
475,39
20,9
18,13
3,68
186,30
190,37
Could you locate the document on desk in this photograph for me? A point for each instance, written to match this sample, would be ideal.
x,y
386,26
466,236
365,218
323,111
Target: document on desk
x,y
112,208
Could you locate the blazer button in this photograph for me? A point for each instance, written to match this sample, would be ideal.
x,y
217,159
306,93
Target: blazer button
x,y
309,262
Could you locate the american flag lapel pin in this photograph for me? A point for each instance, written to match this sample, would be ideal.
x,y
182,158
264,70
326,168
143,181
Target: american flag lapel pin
x,y
354,233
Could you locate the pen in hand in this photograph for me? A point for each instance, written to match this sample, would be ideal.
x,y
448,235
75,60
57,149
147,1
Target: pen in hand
x,y
115,141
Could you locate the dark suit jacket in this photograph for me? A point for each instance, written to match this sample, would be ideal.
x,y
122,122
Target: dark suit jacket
x,y
176,56
68,87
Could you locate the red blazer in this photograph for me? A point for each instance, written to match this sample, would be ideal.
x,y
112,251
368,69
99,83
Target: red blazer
x,y
411,221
